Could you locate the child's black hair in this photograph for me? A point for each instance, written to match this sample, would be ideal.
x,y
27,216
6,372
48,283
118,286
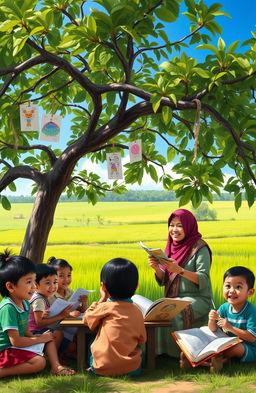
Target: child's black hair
x,y
43,270
59,263
120,277
12,268
241,271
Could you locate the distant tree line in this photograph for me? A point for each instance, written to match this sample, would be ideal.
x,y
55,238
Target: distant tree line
x,y
129,196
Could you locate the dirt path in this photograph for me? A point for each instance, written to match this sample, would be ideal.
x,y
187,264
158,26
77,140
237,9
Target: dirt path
x,y
161,387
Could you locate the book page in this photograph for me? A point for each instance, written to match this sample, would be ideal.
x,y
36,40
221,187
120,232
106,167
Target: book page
x,y
36,348
79,292
165,309
59,305
142,302
217,345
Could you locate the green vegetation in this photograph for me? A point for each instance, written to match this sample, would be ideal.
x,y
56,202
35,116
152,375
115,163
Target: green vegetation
x,y
114,230
87,247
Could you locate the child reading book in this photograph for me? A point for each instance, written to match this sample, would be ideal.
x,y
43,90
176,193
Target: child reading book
x,y
237,317
121,331
64,272
46,286
17,344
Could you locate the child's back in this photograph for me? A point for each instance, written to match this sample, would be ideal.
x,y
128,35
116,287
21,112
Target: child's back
x,y
116,348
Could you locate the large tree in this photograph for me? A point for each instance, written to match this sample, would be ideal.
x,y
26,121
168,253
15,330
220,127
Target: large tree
x,y
120,75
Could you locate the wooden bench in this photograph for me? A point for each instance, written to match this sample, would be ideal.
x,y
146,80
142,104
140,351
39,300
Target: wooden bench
x,y
83,332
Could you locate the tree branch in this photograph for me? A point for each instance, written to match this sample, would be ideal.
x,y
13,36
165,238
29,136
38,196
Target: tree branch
x,y
170,44
24,172
90,183
48,151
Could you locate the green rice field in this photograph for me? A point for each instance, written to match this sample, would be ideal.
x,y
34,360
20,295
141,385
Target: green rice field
x,y
88,236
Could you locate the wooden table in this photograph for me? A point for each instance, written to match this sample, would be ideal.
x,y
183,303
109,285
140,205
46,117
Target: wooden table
x,y
83,332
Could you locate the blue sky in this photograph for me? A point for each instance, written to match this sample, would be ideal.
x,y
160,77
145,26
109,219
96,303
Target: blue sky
x,y
238,27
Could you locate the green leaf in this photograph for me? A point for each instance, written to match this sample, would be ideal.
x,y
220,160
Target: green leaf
x,y
166,114
209,47
221,44
18,44
153,173
91,24
9,24
232,47
171,153
164,14
201,72
155,101
132,33
187,193
238,201
5,203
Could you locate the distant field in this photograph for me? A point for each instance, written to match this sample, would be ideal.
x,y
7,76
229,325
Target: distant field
x,y
78,214
87,244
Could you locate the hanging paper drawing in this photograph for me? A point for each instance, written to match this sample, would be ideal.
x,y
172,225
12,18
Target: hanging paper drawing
x,y
114,165
135,151
29,118
50,128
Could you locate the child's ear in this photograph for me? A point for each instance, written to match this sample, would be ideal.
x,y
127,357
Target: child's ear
x,y
9,286
251,292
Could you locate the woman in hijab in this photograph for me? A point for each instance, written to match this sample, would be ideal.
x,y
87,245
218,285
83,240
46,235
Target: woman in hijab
x,y
186,275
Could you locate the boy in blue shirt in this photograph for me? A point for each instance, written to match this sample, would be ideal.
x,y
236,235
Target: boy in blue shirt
x,y
237,317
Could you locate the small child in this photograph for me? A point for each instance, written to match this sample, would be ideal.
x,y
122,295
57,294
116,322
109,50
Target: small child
x,y
116,348
64,271
46,286
17,285
237,317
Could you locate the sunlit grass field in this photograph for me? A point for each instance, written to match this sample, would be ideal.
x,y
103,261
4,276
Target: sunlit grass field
x,y
88,236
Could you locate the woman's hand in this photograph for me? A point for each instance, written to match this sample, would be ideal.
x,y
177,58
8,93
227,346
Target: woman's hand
x,y
171,265
153,262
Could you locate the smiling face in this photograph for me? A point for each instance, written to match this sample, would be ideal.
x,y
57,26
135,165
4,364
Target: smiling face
x,y
24,288
47,286
176,230
236,291
64,279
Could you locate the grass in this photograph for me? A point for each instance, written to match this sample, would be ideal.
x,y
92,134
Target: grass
x,y
87,247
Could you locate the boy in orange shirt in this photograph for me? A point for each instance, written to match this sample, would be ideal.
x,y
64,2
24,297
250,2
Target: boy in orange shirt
x,y
121,331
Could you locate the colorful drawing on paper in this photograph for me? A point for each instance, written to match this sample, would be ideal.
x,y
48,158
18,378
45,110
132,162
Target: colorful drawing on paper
x,y
135,151
29,118
50,130
114,165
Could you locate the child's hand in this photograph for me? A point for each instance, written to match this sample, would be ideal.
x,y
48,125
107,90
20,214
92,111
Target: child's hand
x,y
45,314
83,299
213,315
66,312
75,313
223,324
103,294
47,336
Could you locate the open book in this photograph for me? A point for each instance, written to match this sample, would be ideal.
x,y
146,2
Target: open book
x,y
160,310
155,252
60,304
200,344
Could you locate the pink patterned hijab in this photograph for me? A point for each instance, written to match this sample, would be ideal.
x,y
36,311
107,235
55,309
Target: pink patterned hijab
x,y
178,250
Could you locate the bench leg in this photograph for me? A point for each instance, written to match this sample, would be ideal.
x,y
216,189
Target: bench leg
x,y
81,349
150,348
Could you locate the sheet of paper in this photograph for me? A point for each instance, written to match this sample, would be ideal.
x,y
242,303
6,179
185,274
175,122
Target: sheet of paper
x,y
36,348
59,305
80,292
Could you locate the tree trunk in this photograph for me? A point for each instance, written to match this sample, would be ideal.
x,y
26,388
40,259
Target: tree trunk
x,y
40,223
